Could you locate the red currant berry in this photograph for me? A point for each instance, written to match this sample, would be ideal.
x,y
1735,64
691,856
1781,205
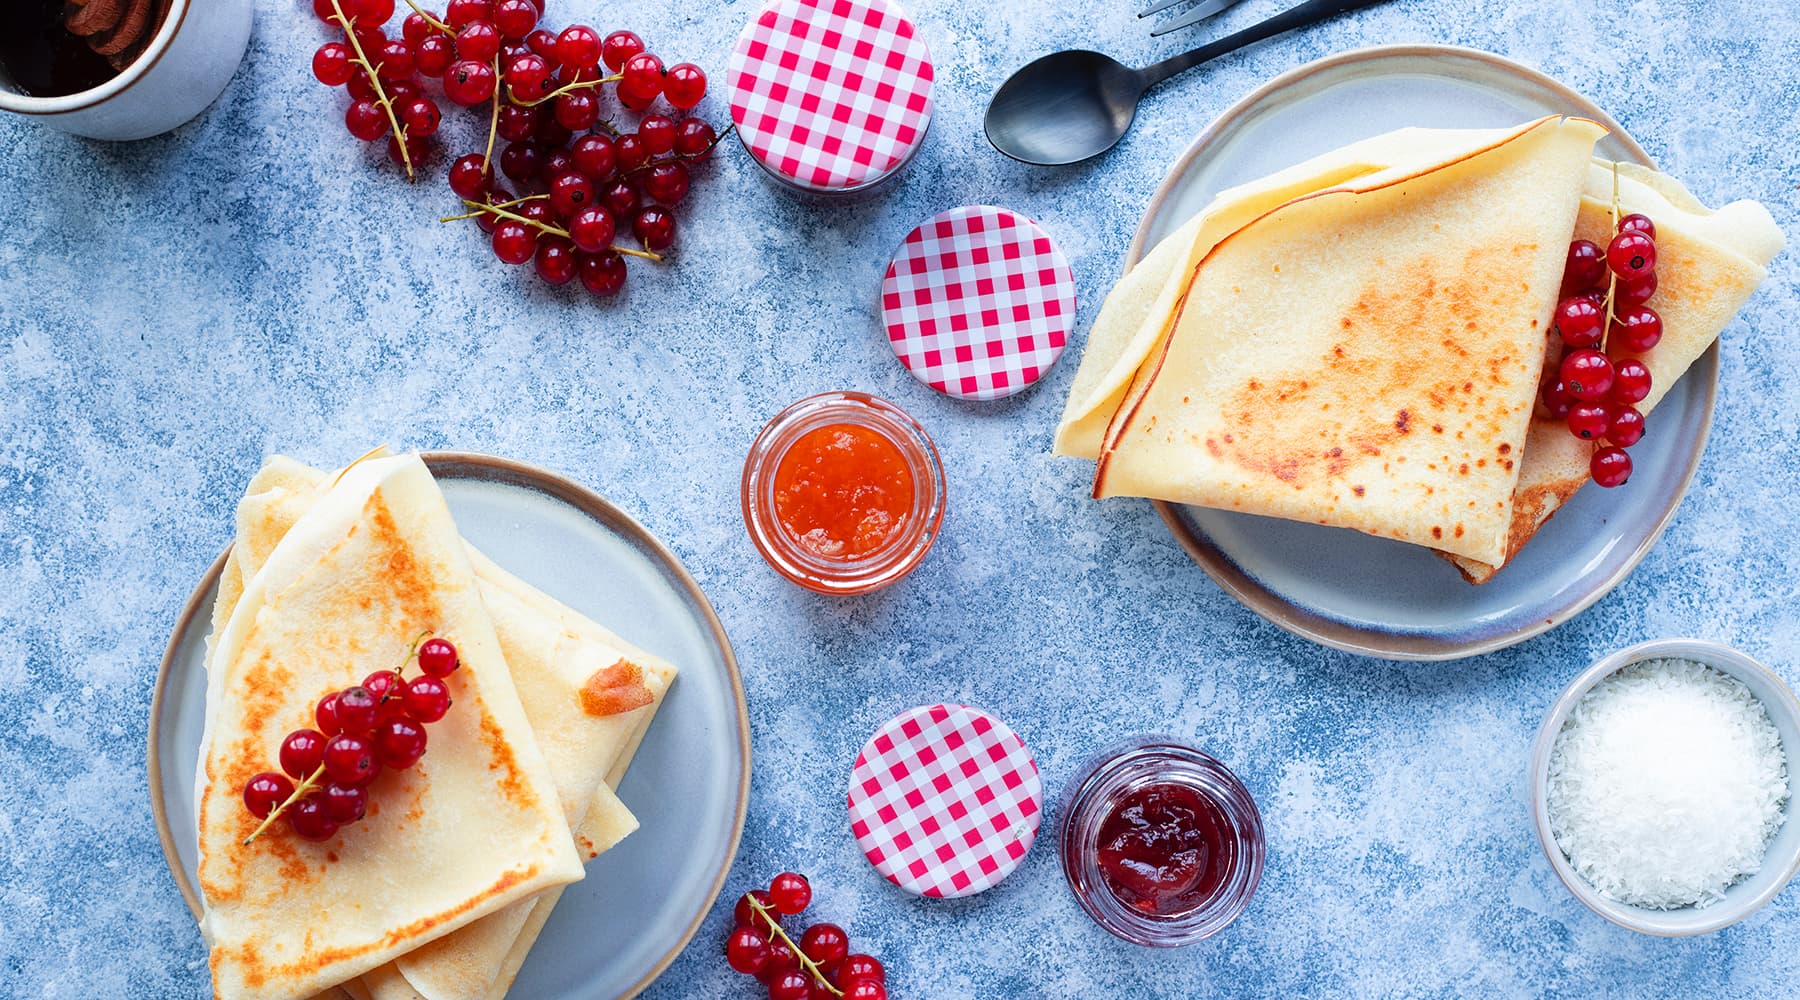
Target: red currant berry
x,y
618,47
620,198
556,163
858,968
655,229
369,12
592,228
1631,381
1587,374
478,40
359,86
744,915
309,821
594,156
326,714
555,261
514,242
631,151
1635,292
393,61
570,193
543,43
427,699
658,134
781,961
826,944
537,210
667,183
486,223
577,111
1587,421
521,161
437,657
434,55
366,120
790,893
1556,401
578,47
461,12
684,86
1636,329
382,683
643,74
1631,255
603,274
416,28
302,751
1579,320
420,117
399,743
1625,425
1637,222
331,64
468,82
635,100
417,149
746,950
794,985
865,989
470,176
266,791
323,10
371,38
694,138
1610,467
516,124
515,18
356,710
551,133
528,77
1585,268
348,759
344,804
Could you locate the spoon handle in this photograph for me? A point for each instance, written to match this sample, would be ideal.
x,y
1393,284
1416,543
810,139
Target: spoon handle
x,y
1310,12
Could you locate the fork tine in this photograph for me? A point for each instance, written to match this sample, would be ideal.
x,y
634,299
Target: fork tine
x,y
1160,5
1195,16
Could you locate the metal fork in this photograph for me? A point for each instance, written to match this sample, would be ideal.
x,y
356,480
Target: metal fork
x,y
1200,13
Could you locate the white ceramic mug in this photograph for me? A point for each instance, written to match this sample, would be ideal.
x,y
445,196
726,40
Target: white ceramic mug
x,y
182,70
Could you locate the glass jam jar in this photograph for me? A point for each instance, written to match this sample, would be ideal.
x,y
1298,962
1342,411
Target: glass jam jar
x,y
1161,844
871,434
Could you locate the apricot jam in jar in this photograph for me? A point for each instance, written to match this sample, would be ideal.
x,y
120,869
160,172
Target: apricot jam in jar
x,y
843,493
1161,844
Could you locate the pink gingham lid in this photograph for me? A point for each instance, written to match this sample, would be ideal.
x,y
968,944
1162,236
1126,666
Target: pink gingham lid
x,y
945,800
830,94
978,302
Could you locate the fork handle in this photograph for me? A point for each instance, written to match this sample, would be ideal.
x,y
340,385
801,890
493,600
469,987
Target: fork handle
x,y
1310,12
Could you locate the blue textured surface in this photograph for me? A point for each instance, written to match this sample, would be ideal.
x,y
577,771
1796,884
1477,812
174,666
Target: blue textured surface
x,y
172,310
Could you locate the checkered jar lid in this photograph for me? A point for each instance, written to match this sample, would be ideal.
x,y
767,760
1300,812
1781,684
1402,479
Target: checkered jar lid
x,y
830,95
945,800
978,303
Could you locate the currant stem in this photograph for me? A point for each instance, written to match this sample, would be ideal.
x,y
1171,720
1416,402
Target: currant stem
x,y
542,227
775,925
300,790
381,97
434,22
487,158
360,459
1612,277
568,89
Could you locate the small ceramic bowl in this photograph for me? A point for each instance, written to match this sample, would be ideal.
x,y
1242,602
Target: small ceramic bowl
x,y
1783,857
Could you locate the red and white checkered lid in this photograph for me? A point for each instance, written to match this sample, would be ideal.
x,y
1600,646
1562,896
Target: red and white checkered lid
x,y
978,302
945,800
830,94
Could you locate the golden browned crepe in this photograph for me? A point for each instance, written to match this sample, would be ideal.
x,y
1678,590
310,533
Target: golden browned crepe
x,y
1708,264
373,563
1366,355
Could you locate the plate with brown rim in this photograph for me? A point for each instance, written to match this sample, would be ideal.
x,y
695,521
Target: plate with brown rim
x,y
688,785
1375,596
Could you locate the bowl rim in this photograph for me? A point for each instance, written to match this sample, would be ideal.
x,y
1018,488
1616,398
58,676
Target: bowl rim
x,y
1658,923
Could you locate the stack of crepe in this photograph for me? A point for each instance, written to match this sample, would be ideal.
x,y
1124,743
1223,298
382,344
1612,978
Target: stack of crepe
x,y
440,891
1357,341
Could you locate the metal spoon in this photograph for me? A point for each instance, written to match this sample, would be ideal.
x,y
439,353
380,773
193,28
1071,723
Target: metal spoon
x,y
1069,106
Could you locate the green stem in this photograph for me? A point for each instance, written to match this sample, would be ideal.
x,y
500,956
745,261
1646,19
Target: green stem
x,y
300,790
568,89
775,925
381,97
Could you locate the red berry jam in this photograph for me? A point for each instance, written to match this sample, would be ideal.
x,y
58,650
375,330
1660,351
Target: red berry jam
x,y
1164,849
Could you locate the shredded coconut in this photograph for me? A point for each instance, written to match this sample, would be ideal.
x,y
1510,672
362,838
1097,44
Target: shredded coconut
x,y
1667,783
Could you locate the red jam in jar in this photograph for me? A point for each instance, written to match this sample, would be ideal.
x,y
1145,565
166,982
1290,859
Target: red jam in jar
x,y
1164,849
842,491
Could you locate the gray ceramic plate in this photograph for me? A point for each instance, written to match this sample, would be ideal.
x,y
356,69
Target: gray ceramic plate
x,y
614,932
1376,596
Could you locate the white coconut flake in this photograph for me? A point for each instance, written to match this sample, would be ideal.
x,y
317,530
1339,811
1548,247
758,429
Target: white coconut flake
x,y
1667,783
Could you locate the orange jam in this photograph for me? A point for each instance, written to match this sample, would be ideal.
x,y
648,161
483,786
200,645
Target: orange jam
x,y
843,491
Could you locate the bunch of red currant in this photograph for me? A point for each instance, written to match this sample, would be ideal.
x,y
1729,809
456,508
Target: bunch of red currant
x,y
363,729
817,967
1604,325
581,181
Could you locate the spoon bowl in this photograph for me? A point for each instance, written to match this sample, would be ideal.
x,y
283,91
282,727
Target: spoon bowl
x,y
1064,107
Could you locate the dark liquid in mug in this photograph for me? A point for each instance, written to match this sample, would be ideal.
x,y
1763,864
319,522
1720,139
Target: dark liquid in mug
x,y
52,48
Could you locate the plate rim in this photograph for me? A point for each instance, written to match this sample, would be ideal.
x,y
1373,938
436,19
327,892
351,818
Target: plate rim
x,y
493,468
1361,639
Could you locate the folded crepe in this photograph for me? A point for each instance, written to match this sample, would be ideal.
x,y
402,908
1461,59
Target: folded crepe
x,y
587,695
1364,354
475,826
1708,264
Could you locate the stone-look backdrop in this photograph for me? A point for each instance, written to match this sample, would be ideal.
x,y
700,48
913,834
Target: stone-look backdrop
x,y
175,309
